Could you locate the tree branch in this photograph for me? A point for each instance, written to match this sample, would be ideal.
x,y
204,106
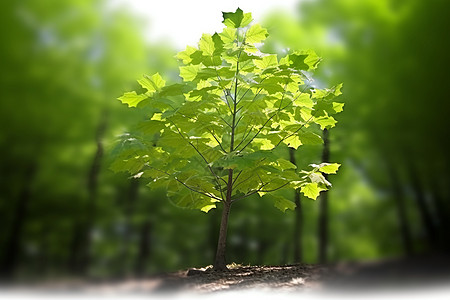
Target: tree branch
x,y
234,181
251,193
187,186
260,190
217,140
245,136
199,153
289,135
267,121
251,176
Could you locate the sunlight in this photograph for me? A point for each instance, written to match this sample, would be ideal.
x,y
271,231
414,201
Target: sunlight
x,y
182,23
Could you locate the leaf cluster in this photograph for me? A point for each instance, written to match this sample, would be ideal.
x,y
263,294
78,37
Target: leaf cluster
x,y
234,106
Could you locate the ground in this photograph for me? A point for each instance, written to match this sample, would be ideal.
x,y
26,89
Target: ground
x,y
403,273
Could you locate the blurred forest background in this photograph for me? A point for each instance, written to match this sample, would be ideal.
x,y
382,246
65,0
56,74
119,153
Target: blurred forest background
x,y
64,213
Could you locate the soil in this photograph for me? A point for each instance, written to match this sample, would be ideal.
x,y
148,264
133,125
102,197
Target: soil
x,y
407,273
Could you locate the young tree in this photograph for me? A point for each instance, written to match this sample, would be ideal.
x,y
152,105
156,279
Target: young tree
x,y
210,140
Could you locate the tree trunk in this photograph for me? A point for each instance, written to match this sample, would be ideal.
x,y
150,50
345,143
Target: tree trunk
x,y
129,205
213,234
144,248
12,245
425,214
401,211
220,261
298,255
323,208
443,214
82,237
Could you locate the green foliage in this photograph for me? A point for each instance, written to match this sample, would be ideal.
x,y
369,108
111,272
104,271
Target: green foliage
x,y
212,137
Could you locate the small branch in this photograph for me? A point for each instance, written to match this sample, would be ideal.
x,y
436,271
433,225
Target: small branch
x,y
237,122
275,189
250,193
242,97
225,121
217,140
267,121
199,153
245,136
260,190
289,135
226,94
187,186
262,127
251,176
234,181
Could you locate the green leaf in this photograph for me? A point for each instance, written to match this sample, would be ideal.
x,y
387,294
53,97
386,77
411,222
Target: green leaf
x,y
311,190
189,73
151,127
185,55
327,94
329,168
228,35
304,99
285,164
312,60
293,141
266,61
264,144
310,138
208,207
153,83
132,99
218,45
282,203
237,19
173,90
338,107
206,44
297,61
256,34
325,122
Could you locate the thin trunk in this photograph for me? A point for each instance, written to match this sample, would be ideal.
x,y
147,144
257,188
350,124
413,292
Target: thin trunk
x,y
298,255
133,194
12,245
323,208
92,187
144,248
74,250
401,211
220,261
443,215
298,230
424,210
213,234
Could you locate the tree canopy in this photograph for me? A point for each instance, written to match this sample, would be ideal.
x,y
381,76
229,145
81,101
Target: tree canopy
x,y
214,134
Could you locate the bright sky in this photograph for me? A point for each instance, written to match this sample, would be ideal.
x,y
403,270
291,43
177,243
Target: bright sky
x,y
183,22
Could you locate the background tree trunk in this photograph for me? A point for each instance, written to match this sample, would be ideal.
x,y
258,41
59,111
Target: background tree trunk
x,y
401,211
424,211
298,254
81,244
144,251
12,245
133,194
